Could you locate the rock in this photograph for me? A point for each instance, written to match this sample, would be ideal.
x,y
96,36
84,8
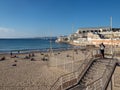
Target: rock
x,y
15,61
14,65
32,59
3,58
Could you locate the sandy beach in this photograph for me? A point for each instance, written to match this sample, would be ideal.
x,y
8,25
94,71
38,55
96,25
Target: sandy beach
x,y
19,73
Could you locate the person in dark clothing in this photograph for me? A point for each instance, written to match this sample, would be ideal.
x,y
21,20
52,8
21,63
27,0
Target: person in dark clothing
x,y
102,47
11,53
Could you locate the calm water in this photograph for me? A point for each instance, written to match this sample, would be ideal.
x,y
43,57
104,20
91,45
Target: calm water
x,y
29,44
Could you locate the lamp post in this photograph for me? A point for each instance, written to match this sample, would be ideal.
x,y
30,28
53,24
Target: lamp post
x,y
73,49
51,51
111,36
111,49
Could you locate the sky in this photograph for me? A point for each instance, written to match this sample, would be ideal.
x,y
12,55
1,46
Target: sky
x,y
38,18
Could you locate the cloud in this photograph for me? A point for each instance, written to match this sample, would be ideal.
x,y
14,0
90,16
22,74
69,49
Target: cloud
x,y
15,33
5,30
12,33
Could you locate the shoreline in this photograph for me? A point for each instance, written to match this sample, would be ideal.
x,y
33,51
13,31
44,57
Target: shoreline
x,y
25,51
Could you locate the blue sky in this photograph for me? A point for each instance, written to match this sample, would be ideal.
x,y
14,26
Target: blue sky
x,y
36,18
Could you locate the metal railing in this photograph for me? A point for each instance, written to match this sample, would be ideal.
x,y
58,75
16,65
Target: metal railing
x,y
101,83
70,79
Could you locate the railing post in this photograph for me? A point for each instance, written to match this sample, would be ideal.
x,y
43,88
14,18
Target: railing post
x,y
113,80
64,65
111,88
92,54
76,74
94,86
61,83
56,62
98,51
87,88
101,83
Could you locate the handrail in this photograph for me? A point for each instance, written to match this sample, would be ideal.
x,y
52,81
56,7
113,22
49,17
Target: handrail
x,y
59,80
110,74
68,74
103,77
98,78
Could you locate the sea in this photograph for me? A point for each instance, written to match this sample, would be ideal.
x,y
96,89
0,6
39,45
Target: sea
x,y
30,44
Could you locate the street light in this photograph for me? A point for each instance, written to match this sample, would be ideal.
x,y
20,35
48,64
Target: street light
x,y
111,36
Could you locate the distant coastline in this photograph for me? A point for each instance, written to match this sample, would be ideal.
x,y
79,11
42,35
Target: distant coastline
x,y
29,44
54,37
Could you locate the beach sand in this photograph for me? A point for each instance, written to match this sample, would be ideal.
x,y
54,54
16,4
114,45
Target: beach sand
x,y
23,74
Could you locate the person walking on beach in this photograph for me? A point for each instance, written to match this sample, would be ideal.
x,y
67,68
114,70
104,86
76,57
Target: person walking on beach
x,y
11,53
102,47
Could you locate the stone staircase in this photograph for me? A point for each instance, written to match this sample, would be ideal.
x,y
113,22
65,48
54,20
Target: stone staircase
x,y
95,71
